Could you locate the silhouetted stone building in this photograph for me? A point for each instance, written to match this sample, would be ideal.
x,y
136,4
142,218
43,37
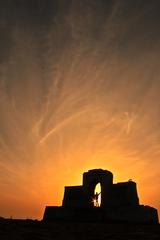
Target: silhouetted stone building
x,y
119,202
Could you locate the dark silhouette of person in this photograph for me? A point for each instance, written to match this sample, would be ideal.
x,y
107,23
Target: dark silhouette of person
x,y
95,199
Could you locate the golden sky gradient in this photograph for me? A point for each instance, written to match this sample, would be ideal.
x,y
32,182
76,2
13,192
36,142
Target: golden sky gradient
x,y
79,89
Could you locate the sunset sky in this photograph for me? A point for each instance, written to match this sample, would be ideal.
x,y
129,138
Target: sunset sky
x,y
79,89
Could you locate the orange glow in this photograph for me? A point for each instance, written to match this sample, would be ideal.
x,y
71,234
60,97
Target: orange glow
x,y
44,185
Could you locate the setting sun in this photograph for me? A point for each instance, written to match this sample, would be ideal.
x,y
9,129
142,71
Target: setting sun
x,y
97,195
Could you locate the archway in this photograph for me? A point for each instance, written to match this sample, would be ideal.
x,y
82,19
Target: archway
x,y
91,179
97,195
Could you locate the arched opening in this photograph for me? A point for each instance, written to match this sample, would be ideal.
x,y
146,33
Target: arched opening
x,y
97,195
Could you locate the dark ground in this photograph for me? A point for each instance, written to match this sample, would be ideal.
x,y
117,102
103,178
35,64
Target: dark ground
x,y
36,230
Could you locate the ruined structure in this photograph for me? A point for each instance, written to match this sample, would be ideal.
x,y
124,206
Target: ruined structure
x,y
119,202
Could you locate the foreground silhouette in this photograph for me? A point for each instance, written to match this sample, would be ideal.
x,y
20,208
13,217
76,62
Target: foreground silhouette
x,y
119,202
40,230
